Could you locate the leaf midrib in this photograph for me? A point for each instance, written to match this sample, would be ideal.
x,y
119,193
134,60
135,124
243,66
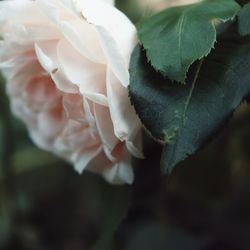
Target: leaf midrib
x,y
187,102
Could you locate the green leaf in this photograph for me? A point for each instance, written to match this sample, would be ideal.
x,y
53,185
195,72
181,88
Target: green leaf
x,y
184,117
178,36
244,20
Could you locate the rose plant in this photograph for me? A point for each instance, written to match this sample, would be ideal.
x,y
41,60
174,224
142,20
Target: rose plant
x,y
66,67
85,81
67,63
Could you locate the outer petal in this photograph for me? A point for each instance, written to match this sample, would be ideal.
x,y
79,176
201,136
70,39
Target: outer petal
x,y
114,57
13,60
112,2
74,27
134,144
111,19
21,111
116,173
85,158
89,77
105,129
122,113
121,172
56,10
84,38
107,17
16,11
116,34
19,80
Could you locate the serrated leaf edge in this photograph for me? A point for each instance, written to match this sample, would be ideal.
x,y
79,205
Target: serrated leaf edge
x,y
202,57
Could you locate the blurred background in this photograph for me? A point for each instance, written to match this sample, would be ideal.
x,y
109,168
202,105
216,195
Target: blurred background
x,y
203,205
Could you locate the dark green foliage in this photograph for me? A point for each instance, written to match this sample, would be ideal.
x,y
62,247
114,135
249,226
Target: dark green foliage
x,y
244,20
184,117
178,36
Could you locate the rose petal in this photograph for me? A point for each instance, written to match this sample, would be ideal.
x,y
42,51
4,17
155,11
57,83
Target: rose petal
x,y
16,11
85,158
84,39
51,122
122,113
134,145
116,34
112,2
76,137
114,57
89,113
89,77
105,129
20,76
120,173
47,55
78,32
56,10
20,110
73,107
114,22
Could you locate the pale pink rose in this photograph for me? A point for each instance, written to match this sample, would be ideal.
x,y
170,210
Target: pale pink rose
x,y
66,66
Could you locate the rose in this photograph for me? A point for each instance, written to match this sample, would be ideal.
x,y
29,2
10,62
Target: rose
x,y
66,67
